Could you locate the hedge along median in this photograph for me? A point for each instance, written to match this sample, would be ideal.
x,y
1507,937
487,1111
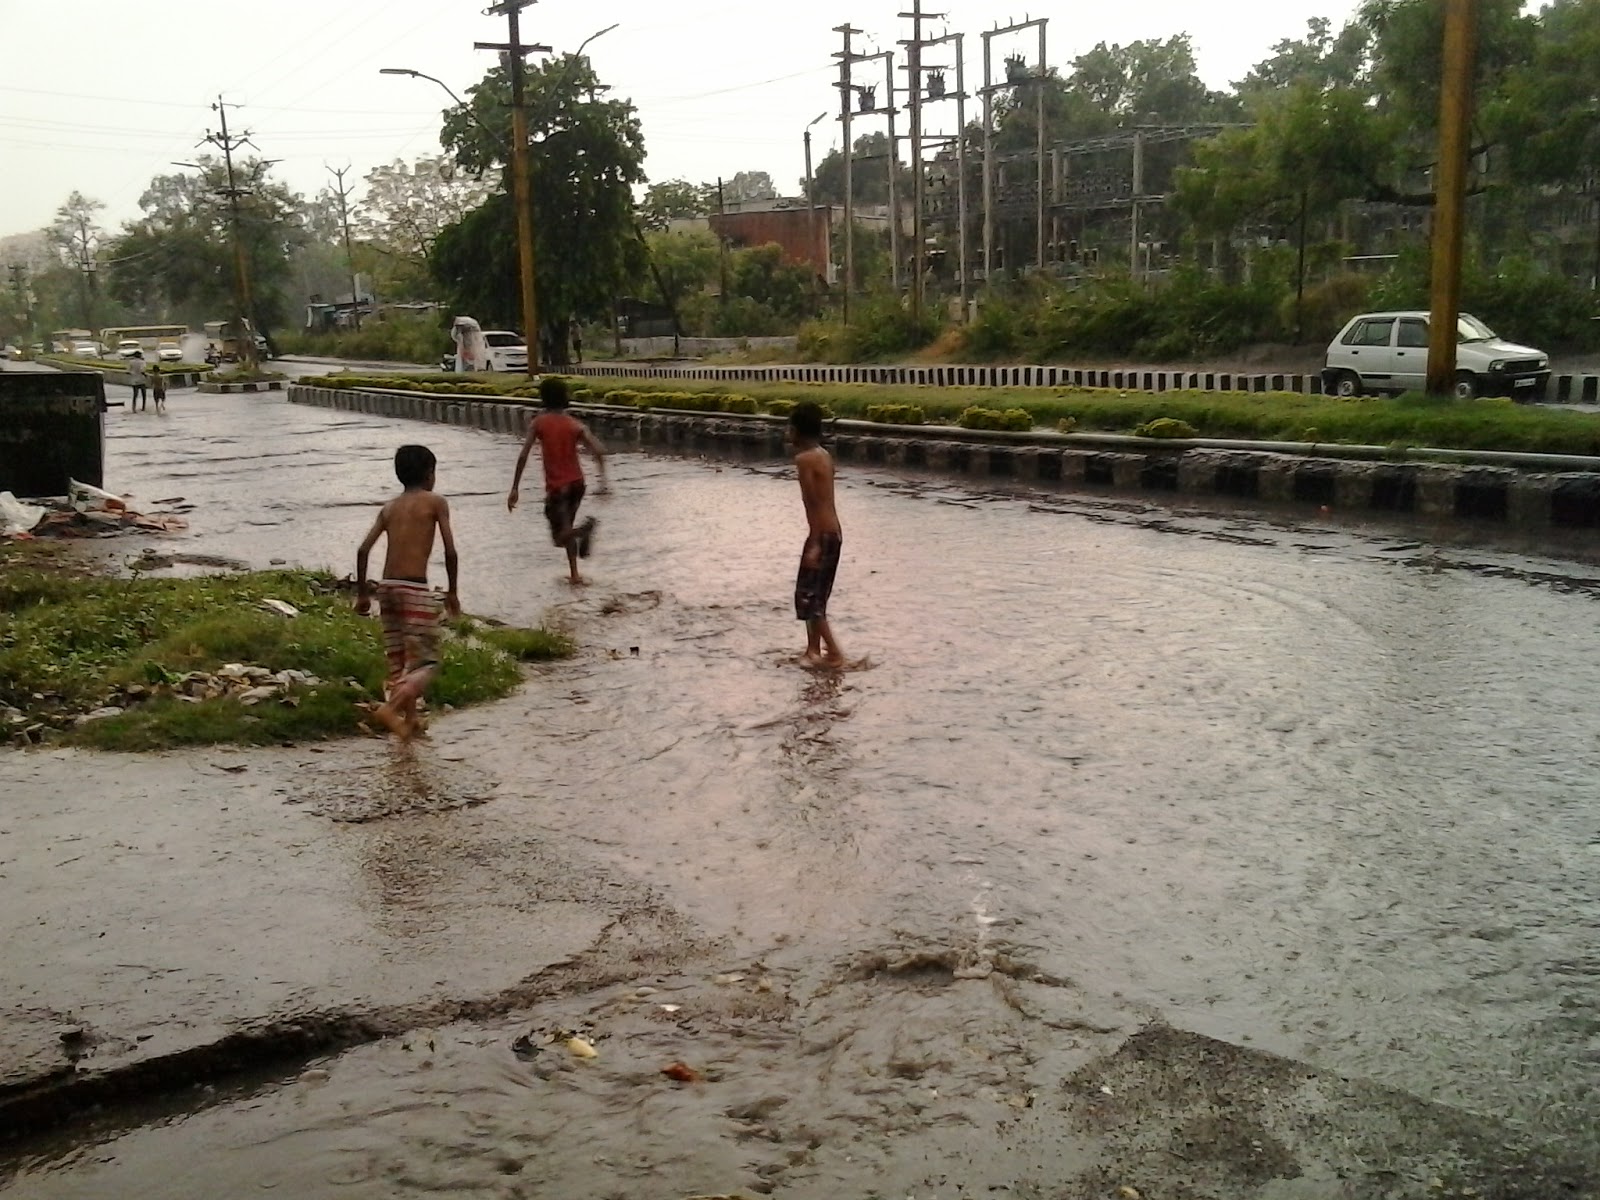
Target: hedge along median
x,y
170,655
1487,424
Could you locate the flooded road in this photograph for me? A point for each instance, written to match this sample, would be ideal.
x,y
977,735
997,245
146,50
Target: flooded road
x,y
1327,793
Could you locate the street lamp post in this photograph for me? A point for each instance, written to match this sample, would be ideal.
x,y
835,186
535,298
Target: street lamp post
x,y
811,197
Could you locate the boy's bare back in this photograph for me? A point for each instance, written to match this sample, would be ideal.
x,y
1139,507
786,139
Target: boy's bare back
x,y
815,468
410,520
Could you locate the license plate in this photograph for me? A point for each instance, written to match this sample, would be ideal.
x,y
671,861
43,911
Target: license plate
x,y
1526,382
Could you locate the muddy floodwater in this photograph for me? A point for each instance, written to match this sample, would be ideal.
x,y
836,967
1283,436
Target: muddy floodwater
x,y
1325,792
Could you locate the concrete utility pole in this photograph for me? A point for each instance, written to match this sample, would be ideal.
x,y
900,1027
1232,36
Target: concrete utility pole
x,y
244,328
914,93
722,248
1134,211
846,59
19,285
1449,216
960,140
515,52
349,255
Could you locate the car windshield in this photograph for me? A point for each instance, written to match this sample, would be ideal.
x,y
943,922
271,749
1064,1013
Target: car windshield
x,y
1470,329
503,339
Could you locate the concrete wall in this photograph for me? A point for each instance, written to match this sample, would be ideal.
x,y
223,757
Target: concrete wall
x,y
1501,495
52,427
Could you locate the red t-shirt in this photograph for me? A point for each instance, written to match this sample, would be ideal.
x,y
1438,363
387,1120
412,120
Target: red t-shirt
x,y
559,435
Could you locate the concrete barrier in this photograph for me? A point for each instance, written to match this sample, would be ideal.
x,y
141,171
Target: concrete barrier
x,y
1312,478
52,428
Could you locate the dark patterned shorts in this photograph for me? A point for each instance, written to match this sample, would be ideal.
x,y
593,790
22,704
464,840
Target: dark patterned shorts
x,y
813,585
561,508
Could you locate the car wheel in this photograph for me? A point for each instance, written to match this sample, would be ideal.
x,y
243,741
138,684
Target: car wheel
x,y
1349,385
1466,387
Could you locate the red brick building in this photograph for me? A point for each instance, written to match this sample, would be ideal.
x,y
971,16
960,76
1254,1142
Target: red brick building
x,y
784,222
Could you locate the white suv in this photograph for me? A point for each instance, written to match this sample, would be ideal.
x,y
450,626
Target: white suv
x,y
1388,352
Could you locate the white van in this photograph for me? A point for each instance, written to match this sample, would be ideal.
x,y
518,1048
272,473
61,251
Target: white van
x,y
1388,352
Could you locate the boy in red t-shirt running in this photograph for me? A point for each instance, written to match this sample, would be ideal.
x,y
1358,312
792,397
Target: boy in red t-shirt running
x,y
559,435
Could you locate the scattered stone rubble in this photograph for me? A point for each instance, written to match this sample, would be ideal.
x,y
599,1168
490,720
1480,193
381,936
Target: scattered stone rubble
x,y
249,685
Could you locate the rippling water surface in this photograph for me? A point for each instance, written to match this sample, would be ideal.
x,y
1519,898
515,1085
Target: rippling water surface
x,y
1328,791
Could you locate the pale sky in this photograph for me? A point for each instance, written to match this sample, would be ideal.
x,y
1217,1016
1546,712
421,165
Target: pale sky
x,y
102,96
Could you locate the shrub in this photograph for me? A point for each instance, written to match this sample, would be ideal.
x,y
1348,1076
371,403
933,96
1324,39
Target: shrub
x,y
390,339
1067,425
1165,427
780,408
739,404
1017,420
624,396
1327,306
897,414
880,327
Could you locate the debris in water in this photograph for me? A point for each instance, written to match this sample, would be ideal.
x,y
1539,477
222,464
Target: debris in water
x,y
725,980
524,1047
1129,1193
681,1073
669,1009
581,1048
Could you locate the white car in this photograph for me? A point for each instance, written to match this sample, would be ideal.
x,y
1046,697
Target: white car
x,y
507,351
1388,352
169,352
85,350
128,347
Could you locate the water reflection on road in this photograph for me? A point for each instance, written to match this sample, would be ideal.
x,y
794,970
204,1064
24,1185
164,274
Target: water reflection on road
x,y
1328,791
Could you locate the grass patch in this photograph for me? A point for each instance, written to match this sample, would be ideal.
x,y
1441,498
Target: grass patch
x,y
68,645
1412,420
106,364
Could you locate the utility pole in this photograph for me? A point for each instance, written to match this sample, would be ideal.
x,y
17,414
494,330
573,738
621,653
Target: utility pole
x,y
1133,209
515,52
228,143
960,140
988,160
1038,84
19,285
846,59
722,246
914,93
349,254
1455,129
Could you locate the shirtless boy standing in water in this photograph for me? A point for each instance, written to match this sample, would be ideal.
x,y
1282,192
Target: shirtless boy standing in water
x,y
408,608
819,562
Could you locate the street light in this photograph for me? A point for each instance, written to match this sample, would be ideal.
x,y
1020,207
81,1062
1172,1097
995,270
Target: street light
x,y
420,75
811,199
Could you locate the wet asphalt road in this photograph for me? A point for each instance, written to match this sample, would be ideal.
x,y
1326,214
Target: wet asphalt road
x,y
1323,791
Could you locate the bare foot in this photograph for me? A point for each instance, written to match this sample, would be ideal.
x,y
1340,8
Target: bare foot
x,y
392,721
417,728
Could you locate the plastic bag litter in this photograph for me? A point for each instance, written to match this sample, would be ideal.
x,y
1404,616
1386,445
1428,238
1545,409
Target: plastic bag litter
x,y
92,497
17,517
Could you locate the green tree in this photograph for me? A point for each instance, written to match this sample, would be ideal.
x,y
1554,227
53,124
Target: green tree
x,y
686,263
1547,111
869,173
177,260
407,205
675,199
1322,59
77,235
588,158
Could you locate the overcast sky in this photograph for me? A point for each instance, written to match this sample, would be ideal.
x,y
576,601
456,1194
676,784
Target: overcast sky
x,y
101,96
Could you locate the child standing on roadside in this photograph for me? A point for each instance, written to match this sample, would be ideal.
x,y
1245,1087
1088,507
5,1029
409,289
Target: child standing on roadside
x,y
559,434
408,608
158,387
819,561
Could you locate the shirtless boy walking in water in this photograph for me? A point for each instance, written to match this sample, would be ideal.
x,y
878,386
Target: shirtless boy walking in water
x,y
408,608
819,561
559,434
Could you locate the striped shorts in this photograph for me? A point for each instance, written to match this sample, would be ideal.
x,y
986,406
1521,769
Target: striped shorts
x,y
410,615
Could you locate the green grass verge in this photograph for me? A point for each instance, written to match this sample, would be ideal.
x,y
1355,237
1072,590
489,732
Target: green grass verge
x,y
67,643
1488,424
